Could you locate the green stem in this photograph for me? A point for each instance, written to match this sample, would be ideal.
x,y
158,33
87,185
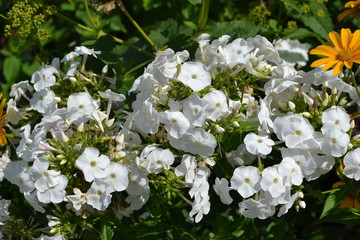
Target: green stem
x,y
123,9
355,84
88,14
3,16
204,11
74,22
118,40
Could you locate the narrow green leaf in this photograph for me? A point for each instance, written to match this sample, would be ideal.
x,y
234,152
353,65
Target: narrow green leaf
x,y
11,68
107,232
333,200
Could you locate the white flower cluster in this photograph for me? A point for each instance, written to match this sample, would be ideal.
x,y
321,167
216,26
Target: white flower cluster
x,y
237,99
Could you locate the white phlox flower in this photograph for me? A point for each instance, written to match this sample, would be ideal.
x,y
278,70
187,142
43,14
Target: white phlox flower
x,y
293,129
77,201
193,109
221,188
42,100
91,164
4,160
291,172
117,177
53,194
352,164
98,196
246,180
258,144
157,160
272,181
186,168
200,188
216,105
80,107
176,124
304,158
194,75
335,118
335,143
17,173
200,142
240,156
44,78
147,118
200,209
261,209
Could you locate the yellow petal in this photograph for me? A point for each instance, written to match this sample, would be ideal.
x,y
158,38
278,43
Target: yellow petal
x,y
338,67
3,141
348,64
325,51
355,41
323,61
346,37
336,40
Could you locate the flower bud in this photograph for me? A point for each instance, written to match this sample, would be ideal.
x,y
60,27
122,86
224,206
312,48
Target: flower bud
x,y
105,69
236,124
291,105
219,129
352,124
80,128
305,114
73,79
302,204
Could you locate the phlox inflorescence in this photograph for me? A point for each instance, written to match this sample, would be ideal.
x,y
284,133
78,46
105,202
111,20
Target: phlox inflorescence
x,y
237,104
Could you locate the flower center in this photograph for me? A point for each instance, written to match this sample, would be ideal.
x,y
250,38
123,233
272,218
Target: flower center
x,y
246,180
298,132
343,55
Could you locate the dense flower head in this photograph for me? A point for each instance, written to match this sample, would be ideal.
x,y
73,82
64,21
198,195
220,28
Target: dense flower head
x,y
194,125
344,50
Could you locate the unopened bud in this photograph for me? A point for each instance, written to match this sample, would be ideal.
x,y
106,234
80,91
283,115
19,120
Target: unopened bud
x,y
301,195
334,91
219,129
80,128
105,69
350,146
63,162
64,137
325,84
326,100
291,105
72,79
352,123
236,124
343,101
305,114
302,204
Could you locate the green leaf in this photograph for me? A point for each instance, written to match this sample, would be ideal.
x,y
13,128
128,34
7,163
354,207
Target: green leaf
x,y
235,29
30,68
320,24
107,232
333,200
343,216
11,68
300,33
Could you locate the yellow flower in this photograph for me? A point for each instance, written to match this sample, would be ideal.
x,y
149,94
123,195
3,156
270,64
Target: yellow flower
x,y
3,140
352,8
344,50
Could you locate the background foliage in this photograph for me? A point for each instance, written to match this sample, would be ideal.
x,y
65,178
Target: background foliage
x,y
38,31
